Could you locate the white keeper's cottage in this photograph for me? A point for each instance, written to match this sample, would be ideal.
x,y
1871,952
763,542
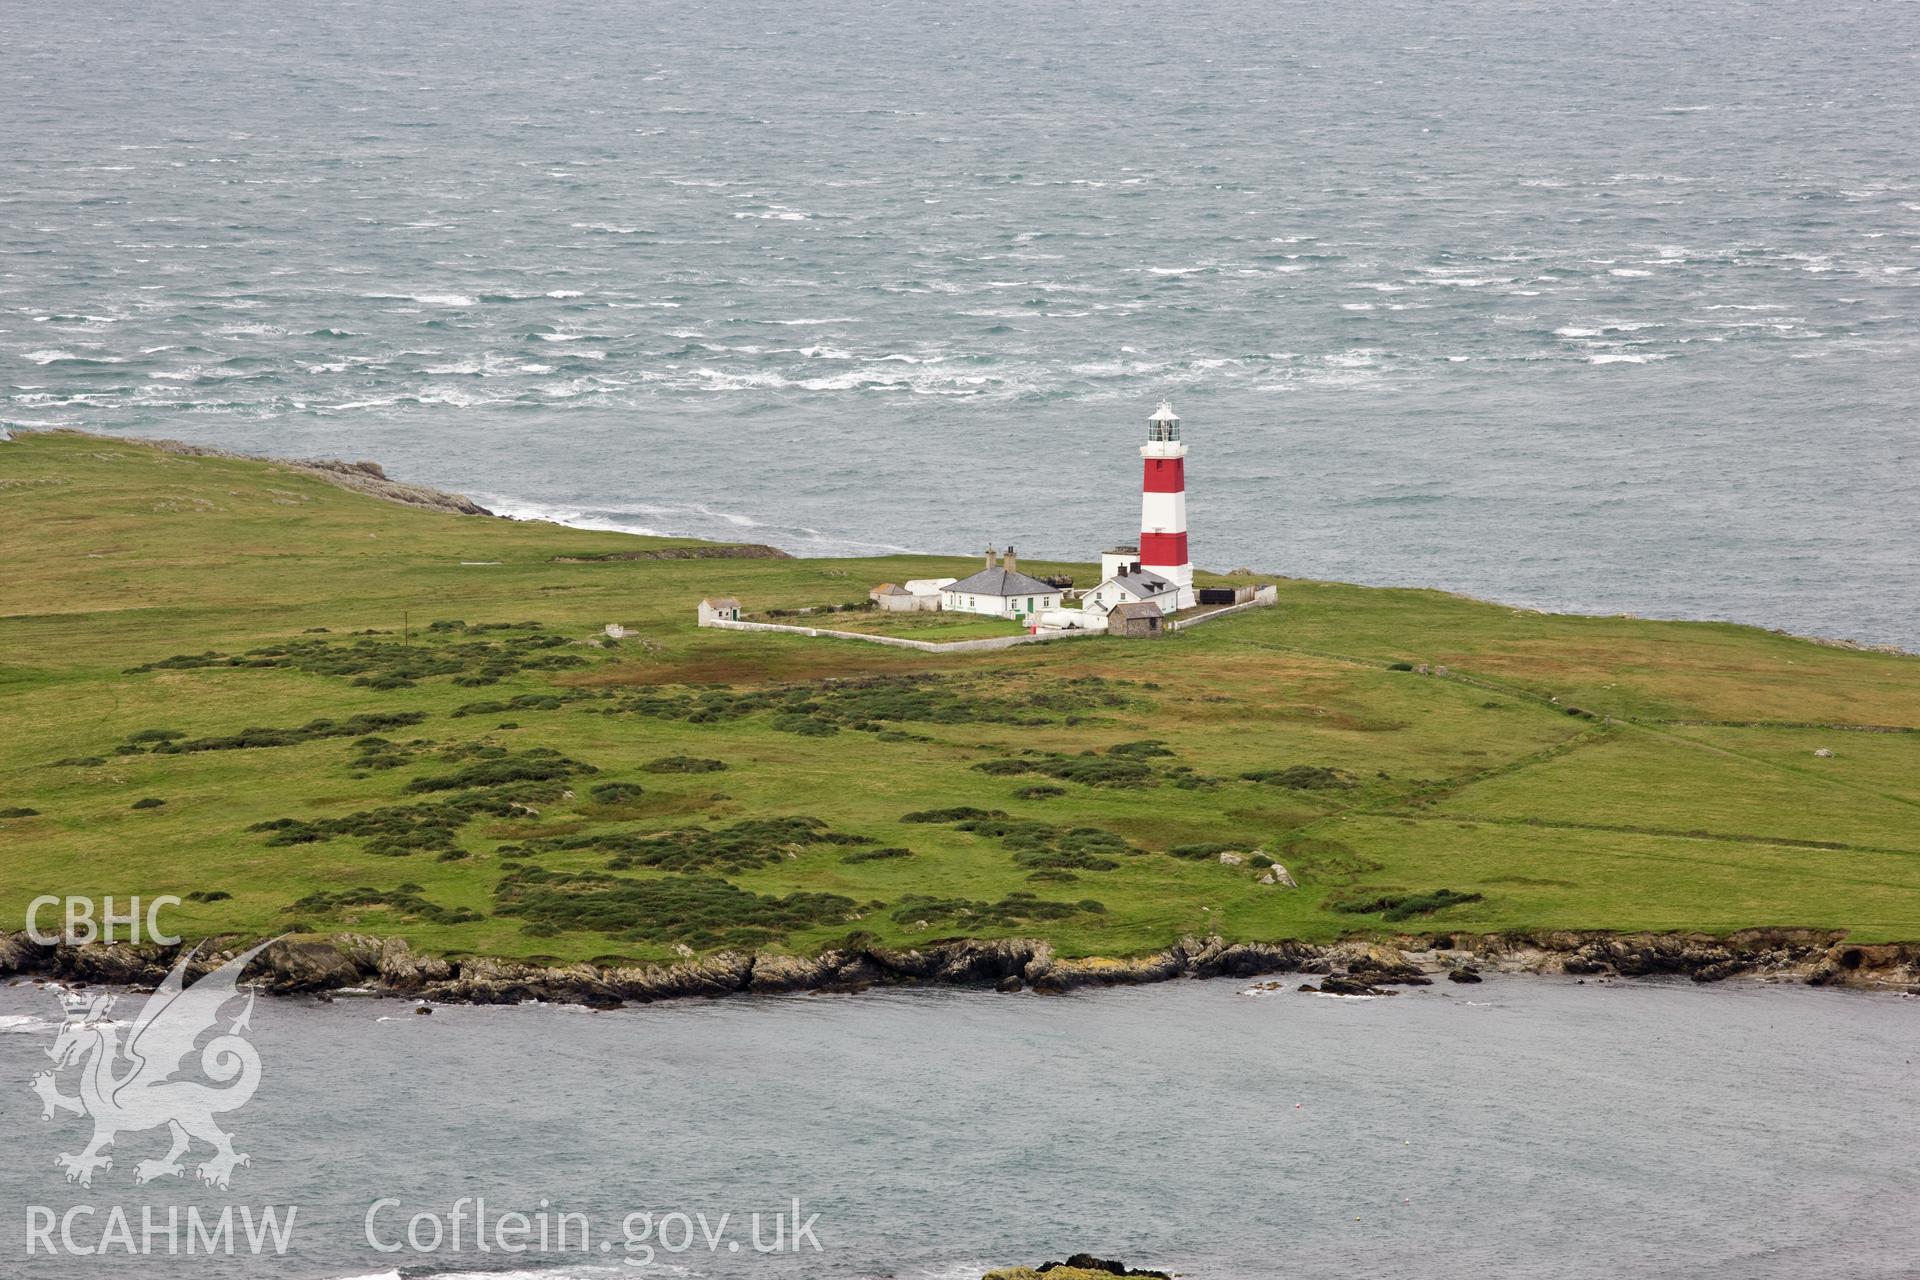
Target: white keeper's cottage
x,y
1132,585
1000,591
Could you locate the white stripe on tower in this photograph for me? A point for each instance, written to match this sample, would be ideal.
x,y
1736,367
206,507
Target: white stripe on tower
x,y
1163,513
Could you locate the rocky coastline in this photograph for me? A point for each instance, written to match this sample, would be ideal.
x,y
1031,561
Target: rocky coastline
x,y
389,967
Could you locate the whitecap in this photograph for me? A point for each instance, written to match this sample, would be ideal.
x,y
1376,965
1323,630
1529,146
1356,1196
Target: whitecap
x,y
25,1024
516,509
456,397
1351,359
68,357
563,293
425,299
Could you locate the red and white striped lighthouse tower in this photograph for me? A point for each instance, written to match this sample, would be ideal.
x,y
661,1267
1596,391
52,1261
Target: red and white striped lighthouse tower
x,y
1163,504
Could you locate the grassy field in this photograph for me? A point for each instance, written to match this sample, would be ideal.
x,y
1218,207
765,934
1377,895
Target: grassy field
x,y
936,627
358,715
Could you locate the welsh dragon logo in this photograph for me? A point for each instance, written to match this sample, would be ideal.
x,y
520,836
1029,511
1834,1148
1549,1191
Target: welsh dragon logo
x,y
131,1088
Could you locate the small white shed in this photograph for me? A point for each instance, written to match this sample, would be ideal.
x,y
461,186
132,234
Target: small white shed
x,y
719,608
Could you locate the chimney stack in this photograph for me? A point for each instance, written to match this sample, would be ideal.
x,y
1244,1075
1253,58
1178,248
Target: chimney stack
x,y
989,563
1010,563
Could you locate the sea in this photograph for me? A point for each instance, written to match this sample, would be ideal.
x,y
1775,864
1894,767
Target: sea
x,y
1524,1127
1605,308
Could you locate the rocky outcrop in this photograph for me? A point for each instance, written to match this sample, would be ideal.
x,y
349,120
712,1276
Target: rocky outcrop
x,y
361,477
1356,967
1081,1266
21,954
295,968
695,551
368,478
1373,962
1336,985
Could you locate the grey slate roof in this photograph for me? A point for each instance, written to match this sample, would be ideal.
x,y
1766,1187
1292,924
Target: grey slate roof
x,y
999,581
1142,584
1136,609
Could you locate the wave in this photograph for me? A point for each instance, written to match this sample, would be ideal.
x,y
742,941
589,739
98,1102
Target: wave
x,y
695,520
1571,331
516,509
68,357
26,1024
426,299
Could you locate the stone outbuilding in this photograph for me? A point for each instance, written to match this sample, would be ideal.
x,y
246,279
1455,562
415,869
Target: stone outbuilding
x,y
1136,619
719,608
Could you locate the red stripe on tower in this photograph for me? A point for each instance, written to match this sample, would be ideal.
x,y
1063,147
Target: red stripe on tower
x,y
1163,550
1166,475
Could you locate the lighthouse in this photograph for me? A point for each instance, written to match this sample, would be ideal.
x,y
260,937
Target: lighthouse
x,y
1163,504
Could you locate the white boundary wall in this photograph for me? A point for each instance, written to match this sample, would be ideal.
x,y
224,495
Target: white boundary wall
x,y
900,642
1263,597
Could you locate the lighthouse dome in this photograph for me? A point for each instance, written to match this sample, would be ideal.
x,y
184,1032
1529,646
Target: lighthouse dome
x,y
1164,424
